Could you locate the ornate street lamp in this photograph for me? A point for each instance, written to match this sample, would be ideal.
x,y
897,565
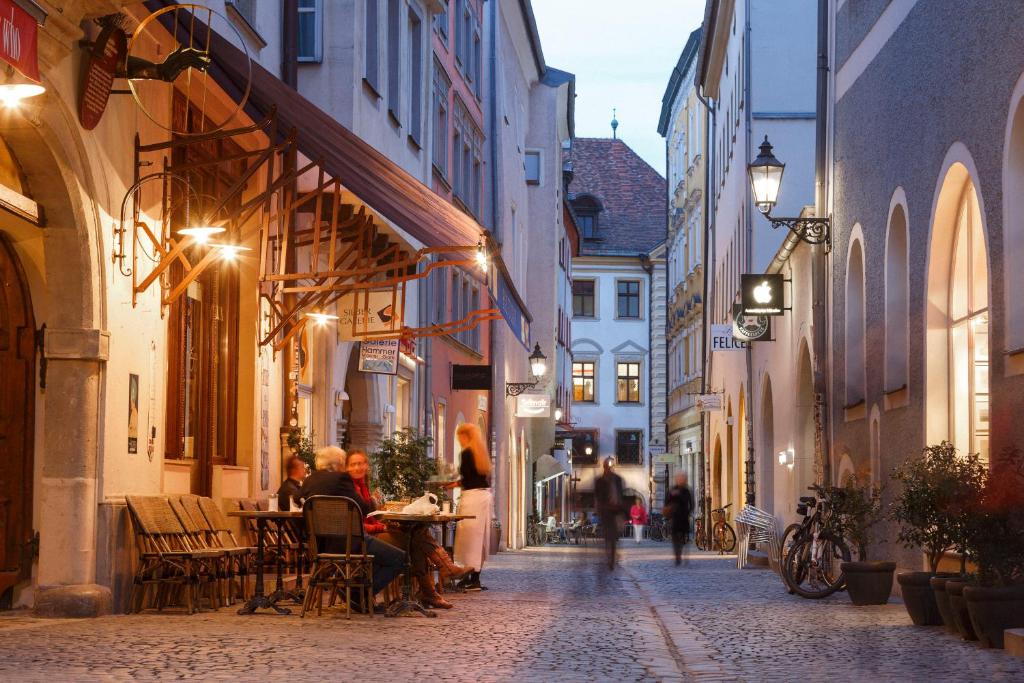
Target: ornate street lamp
x,y
538,366
765,174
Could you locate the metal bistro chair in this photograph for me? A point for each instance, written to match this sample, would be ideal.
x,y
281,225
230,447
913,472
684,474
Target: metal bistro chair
x,y
335,523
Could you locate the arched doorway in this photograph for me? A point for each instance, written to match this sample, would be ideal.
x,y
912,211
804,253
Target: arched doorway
x,y
766,469
729,474
715,491
805,470
744,479
17,421
365,418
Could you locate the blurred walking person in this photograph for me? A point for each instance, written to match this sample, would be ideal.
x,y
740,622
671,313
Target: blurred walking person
x,y
679,509
608,489
473,536
638,517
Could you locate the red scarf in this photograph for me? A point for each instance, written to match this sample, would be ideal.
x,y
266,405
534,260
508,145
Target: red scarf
x,y
370,525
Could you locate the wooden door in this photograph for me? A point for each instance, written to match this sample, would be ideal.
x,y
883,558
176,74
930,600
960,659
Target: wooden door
x,y
17,399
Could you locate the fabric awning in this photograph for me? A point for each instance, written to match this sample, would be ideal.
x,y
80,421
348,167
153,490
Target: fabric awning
x,y
548,468
371,176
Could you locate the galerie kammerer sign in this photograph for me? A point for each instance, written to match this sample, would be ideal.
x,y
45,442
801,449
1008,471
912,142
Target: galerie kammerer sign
x,y
762,294
379,356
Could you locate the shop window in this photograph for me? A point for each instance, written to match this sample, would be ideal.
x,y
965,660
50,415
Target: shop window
x,y
311,30
627,294
583,381
628,447
627,382
583,298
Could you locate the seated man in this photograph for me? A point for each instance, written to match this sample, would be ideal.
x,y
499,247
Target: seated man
x,y
331,479
295,471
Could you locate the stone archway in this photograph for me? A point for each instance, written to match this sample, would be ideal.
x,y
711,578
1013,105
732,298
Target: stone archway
x,y
366,398
715,492
767,451
805,466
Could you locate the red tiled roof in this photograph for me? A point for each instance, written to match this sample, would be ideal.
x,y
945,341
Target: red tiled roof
x,y
632,194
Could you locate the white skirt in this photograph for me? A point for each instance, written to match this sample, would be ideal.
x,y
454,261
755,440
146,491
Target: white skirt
x,y
473,536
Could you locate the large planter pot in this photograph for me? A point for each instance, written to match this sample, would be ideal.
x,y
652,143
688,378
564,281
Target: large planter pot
x,y
868,583
938,583
993,610
958,608
919,598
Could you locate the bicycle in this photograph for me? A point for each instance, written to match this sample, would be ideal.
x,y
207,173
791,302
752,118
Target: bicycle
x,y
812,552
536,534
700,537
658,528
723,536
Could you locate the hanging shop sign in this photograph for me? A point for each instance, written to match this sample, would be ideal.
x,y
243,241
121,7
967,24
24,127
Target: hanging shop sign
x,y
365,313
762,294
477,377
19,39
379,356
722,339
750,328
533,405
98,73
707,403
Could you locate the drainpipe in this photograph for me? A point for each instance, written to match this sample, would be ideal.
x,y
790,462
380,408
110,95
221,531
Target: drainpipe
x,y
648,266
709,175
290,43
750,482
492,58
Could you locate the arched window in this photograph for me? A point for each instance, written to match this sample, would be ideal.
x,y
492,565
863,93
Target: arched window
x,y
1013,215
896,311
854,327
968,329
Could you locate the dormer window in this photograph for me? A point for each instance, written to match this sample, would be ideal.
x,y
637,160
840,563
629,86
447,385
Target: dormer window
x,y
587,210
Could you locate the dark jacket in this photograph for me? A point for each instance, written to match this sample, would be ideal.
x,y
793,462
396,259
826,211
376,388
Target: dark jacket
x,y
289,490
325,483
679,504
608,489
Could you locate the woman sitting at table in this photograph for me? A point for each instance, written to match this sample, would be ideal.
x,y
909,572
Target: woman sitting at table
x,y
472,536
422,548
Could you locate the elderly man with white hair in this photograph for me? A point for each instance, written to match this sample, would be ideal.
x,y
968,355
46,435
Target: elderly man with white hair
x,y
331,479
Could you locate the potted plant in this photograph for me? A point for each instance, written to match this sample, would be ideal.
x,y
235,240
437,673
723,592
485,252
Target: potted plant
x,y
995,602
930,514
302,446
402,466
856,509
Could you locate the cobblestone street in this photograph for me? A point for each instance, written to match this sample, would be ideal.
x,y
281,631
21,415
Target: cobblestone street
x,y
550,614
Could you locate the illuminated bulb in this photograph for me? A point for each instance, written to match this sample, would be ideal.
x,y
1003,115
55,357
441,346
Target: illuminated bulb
x,y
11,94
558,414
321,318
481,256
588,450
229,252
201,233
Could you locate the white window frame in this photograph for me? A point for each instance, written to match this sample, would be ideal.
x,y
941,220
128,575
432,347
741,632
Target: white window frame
x,y
318,29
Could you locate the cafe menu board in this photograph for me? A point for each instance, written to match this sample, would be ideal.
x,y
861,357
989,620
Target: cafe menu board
x,y
379,356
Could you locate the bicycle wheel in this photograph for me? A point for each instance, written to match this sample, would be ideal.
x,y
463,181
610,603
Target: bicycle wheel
x,y
725,537
817,576
789,540
699,537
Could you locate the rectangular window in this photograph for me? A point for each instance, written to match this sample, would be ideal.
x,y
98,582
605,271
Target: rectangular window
x,y
247,8
531,161
477,64
456,299
394,59
627,382
372,33
587,224
415,77
440,298
474,332
628,447
467,158
628,298
583,381
460,34
310,31
583,298
440,120
441,23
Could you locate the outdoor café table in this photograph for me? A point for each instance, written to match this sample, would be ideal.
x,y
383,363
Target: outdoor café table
x,y
409,525
259,600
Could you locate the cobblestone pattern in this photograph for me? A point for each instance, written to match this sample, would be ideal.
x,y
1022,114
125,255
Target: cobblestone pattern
x,y
734,624
551,614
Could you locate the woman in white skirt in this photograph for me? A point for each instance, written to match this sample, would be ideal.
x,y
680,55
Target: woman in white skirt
x,y
473,536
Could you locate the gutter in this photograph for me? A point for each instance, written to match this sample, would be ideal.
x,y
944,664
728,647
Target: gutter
x,y
645,263
709,174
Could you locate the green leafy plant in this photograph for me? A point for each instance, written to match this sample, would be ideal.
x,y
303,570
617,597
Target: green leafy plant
x,y
936,494
995,523
302,446
401,465
856,510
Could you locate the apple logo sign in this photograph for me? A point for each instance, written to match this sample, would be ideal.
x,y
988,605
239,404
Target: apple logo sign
x,y
763,293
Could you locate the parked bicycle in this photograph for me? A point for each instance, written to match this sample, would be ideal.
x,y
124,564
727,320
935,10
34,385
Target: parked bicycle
x,y
722,536
659,528
813,552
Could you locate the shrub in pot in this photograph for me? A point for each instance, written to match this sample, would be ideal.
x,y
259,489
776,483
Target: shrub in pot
x,y
856,509
928,508
996,545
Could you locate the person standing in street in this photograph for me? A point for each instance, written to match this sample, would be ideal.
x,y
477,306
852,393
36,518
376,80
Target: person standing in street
x,y
608,490
638,516
473,536
678,509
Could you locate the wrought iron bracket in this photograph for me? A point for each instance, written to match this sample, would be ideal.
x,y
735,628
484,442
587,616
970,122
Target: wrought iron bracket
x,y
809,230
516,388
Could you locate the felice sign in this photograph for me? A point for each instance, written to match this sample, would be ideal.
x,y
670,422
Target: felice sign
x,y
722,339
762,294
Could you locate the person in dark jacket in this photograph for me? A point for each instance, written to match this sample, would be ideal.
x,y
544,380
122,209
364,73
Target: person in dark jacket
x,y
295,469
609,489
331,479
679,509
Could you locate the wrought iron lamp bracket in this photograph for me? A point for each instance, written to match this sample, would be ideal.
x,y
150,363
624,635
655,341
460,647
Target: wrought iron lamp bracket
x,y
810,230
516,388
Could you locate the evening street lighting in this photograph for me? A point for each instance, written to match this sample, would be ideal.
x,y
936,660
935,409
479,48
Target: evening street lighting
x,y
201,233
481,256
765,181
558,414
538,366
320,318
229,252
589,450
11,94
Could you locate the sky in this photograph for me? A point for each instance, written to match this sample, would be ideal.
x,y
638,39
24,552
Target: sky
x,y
622,54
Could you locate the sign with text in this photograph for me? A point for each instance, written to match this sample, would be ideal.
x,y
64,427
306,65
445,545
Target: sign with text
x,y
19,39
533,405
722,339
101,62
471,377
750,328
706,403
368,312
762,294
379,356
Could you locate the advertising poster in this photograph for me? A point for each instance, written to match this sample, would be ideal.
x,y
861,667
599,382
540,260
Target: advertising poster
x,y
133,413
379,356
368,312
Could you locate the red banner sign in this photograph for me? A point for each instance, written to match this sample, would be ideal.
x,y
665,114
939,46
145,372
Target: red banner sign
x,y
19,39
100,67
